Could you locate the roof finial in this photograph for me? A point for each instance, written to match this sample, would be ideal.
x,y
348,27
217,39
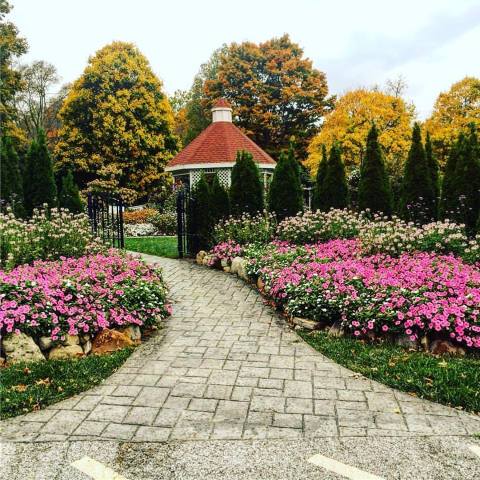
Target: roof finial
x,y
221,111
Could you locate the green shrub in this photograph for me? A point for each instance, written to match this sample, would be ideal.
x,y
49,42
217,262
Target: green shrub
x,y
199,217
334,191
69,197
246,229
219,201
11,188
319,179
165,223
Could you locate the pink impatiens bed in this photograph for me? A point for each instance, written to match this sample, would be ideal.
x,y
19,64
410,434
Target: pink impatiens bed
x,y
80,295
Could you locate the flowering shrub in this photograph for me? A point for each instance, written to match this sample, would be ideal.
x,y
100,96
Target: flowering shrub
x,y
165,223
414,294
225,251
139,230
48,235
315,226
246,229
88,294
134,217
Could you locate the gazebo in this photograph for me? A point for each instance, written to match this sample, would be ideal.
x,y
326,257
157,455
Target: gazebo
x,y
214,151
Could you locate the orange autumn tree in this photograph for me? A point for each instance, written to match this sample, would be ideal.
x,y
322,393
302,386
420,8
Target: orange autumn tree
x,y
275,92
452,113
117,129
349,124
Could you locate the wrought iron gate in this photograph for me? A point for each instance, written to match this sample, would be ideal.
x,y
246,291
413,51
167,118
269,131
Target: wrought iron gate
x,y
106,218
183,198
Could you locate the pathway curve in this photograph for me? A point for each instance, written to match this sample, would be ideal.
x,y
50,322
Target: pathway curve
x,y
227,367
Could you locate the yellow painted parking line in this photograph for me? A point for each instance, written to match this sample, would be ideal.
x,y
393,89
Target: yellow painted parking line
x,y
475,449
96,470
342,469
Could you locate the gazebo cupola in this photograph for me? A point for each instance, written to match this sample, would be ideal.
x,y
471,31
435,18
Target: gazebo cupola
x,y
214,151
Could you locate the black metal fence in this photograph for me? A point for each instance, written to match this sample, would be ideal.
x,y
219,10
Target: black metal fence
x,y
106,218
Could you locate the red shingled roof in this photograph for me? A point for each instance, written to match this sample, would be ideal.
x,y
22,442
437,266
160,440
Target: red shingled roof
x,y
222,102
218,143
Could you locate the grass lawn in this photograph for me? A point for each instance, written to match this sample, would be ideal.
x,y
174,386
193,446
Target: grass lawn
x,y
453,381
30,386
160,246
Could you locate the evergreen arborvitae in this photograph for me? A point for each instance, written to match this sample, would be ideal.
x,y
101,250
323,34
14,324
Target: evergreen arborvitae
x,y
334,193
433,167
199,217
466,183
246,191
219,201
69,196
39,184
319,179
448,199
285,196
374,188
11,188
418,194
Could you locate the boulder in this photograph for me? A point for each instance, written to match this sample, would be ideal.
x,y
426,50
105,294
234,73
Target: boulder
x,y
242,272
200,256
87,347
45,343
224,262
21,348
406,342
235,264
133,333
226,269
108,341
425,343
63,352
441,347
84,338
71,340
260,283
308,324
336,330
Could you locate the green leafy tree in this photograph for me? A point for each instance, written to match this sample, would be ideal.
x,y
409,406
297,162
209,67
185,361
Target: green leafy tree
x,y
418,193
466,183
200,220
219,200
12,46
117,126
334,193
69,196
39,184
433,167
374,188
285,195
11,188
246,191
319,179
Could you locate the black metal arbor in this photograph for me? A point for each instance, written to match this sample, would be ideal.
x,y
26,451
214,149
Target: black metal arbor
x,y
106,218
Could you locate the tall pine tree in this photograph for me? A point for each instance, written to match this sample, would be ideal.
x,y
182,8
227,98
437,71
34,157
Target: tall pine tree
x,y
11,188
334,193
199,217
219,200
246,191
449,199
39,184
69,196
374,188
319,179
433,167
285,196
418,194
466,183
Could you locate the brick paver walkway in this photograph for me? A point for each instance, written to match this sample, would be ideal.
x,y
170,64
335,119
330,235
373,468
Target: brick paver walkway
x,y
227,367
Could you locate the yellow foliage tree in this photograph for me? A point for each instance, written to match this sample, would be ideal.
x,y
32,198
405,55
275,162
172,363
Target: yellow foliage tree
x,y
350,121
117,129
452,113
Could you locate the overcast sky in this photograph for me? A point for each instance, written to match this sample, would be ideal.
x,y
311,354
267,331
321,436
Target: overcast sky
x,y
431,43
